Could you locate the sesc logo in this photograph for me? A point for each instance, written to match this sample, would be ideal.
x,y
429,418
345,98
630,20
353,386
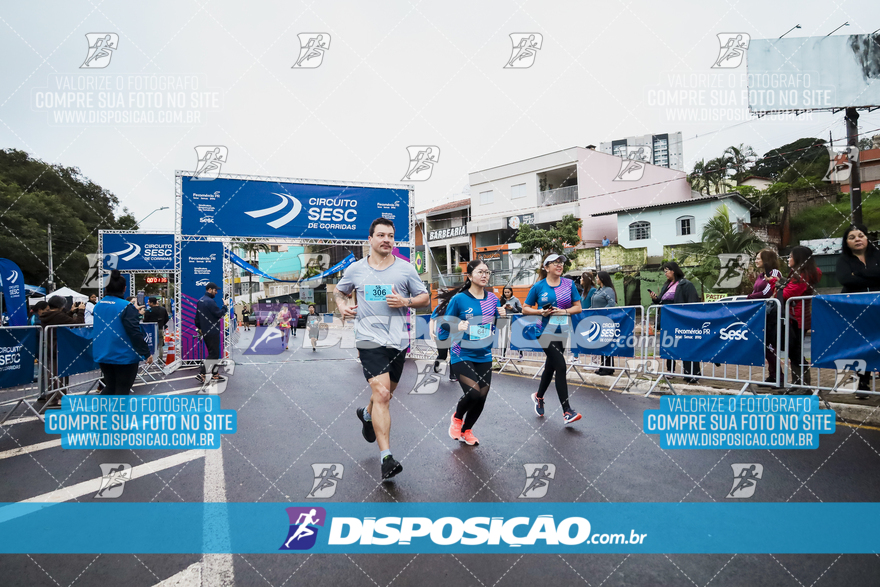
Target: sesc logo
x,y
736,331
202,282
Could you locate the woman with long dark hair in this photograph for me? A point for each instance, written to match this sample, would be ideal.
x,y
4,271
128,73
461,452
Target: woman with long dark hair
x,y
678,290
474,308
555,299
509,302
604,297
767,262
803,277
313,323
587,288
858,271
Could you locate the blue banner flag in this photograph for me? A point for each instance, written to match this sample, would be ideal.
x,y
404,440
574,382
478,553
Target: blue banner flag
x,y
335,269
846,329
75,350
14,296
715,333
18,351
259,207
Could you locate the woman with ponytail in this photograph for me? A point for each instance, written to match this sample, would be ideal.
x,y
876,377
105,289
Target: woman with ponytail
x,y
803,277
472,310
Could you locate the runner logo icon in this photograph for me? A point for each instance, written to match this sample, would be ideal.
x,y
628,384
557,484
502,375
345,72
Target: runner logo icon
x,y
733,49
286,199
210,159
525,49
538,477
312,47
303,532
113,478
422,159
327,478
745,479
101,49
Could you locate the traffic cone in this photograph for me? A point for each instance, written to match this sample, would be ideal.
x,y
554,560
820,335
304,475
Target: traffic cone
x,y
169,350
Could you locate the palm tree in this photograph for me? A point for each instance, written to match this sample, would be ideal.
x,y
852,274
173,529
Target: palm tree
x,y
739,160
697,177
251,249
720,236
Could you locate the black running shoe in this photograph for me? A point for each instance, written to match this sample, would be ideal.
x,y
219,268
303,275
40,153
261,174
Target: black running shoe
x,y
390,467
367,430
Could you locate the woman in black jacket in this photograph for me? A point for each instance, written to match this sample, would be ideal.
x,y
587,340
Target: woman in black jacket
x,y
858,270
678,290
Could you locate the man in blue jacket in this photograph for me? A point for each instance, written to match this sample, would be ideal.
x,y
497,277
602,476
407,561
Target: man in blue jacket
x,y
209,323
118,344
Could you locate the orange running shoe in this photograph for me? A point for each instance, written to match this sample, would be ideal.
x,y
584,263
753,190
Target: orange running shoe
x,y
468,438
455,428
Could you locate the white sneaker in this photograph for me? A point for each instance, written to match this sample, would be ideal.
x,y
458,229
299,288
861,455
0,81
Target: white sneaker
x,y
573,360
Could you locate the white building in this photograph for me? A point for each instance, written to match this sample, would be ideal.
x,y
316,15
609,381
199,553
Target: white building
x,y
664,150
675,223
578,181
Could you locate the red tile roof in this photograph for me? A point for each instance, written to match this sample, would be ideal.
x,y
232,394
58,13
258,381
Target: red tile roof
x,y
447,206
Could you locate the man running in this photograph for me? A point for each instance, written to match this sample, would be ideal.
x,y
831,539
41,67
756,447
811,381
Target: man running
x,y
386,287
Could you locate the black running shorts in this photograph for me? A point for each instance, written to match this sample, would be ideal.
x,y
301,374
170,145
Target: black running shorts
x,y
481,373
377,361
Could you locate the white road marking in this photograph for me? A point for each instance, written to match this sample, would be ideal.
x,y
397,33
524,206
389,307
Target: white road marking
x,y
92,485
217,569
23,450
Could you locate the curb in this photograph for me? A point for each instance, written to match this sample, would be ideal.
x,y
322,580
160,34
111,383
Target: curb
x,y
846,413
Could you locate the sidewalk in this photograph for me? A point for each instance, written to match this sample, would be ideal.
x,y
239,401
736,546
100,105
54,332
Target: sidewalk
x,y
847,408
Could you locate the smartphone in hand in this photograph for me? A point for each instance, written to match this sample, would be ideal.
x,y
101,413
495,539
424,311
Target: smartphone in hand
x,y
140,298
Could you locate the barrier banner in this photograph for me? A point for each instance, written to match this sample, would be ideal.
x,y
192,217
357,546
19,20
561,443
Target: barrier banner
x,y
525,332
140,251
19,348
75,350
257,207
149,331
846,328
606,331
200,263
715,333
14,298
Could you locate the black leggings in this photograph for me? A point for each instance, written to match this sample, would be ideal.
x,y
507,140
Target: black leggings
x,y
474,379
555,365
442,353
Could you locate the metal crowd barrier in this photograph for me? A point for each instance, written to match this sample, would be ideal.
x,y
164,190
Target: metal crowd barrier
x,y
719,367
17,366
819,348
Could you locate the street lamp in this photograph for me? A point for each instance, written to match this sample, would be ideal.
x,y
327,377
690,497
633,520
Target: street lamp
x,y
797,26
138,224
837,29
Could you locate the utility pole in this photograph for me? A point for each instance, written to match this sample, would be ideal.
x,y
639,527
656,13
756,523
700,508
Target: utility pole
x,y
50,287
855,178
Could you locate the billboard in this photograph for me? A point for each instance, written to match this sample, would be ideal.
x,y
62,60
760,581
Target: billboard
x,y
814,73
139,251
200,263
263,207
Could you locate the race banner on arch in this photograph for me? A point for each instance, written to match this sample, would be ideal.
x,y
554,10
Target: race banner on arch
x,y
140,251
201,264
275,208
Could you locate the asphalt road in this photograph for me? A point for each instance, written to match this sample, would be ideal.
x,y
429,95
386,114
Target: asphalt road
x,y
297,409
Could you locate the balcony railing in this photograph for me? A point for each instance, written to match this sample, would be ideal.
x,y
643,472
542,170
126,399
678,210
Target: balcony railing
x,y
558,196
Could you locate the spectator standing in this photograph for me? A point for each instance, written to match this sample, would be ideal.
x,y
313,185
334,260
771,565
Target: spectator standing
x,y
858,270
118,345
604,297
767,262
90,309
54,315
509,302
606,241
246,316
158,315
802,279
678,290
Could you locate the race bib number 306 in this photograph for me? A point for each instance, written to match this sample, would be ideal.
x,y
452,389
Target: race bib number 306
x,y
377,293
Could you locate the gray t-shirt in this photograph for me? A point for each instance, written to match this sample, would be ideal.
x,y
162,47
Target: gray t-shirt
x,y
376,322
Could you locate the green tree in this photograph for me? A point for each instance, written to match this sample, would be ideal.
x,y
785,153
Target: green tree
x,y
720,235
804,151
738,160
34,194
551,240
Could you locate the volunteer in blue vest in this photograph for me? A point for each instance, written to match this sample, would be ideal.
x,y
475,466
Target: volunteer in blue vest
x,y
472,310
209,323
555,299
118,345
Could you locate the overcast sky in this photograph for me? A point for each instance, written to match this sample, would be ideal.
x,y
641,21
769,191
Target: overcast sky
x,y
397,73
